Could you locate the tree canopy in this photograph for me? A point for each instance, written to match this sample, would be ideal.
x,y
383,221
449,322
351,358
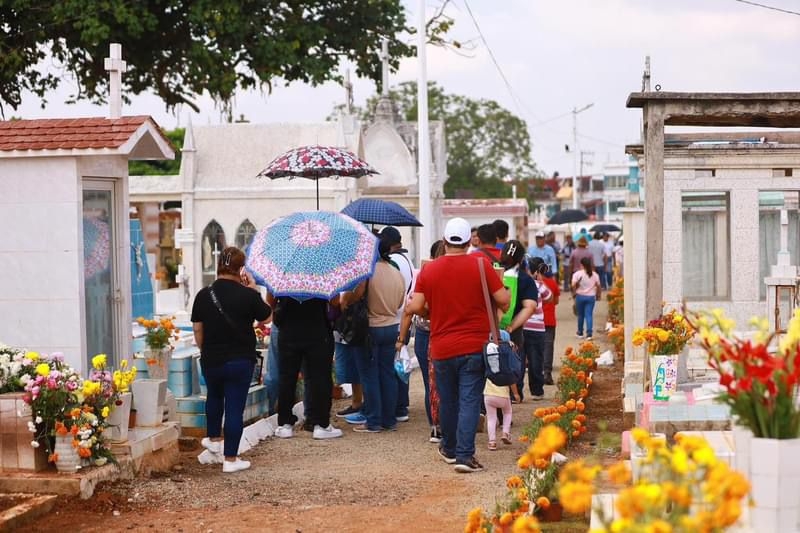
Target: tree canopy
x,y
488,147
167,167
182,49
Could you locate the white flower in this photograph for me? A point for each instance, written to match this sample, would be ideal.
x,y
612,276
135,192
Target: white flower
x,y
35,444
31,427
25,379
39,420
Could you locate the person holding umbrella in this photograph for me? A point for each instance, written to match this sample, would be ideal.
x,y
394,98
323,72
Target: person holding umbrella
x,y
222,320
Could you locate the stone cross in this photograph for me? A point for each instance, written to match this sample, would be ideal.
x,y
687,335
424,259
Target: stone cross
x,y
216,253
348,89
385,67
115,67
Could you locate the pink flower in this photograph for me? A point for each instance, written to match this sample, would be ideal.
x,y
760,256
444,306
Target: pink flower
x,y
57,356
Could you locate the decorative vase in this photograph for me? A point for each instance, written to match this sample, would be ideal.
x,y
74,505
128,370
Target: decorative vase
x,y
775,484
158,362
741,448
119,418
553,513
67,459
664,375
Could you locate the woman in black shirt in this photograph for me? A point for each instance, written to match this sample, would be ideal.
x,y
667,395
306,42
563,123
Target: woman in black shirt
x,y
222,320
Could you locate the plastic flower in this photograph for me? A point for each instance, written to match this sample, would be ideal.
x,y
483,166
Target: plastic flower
x,y
43,369
105,411
33,356
99,361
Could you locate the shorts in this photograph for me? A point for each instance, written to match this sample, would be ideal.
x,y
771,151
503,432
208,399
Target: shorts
x,y
345,363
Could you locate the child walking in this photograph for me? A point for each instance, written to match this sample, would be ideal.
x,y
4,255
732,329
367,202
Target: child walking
x,y
496,397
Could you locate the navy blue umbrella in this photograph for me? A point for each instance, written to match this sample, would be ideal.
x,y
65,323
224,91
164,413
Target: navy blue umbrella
x,y
384,212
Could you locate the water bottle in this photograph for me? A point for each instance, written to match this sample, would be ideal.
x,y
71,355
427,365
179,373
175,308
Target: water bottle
x,y
493,357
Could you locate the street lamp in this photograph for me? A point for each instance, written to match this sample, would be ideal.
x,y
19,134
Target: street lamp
x,y
576,153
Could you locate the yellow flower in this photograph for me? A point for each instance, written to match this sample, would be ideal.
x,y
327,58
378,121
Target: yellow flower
x,y
90,388
43,369
658,526
525,524
619,474
663,335
33,356
99,361
123,364
575,497
104,412
680,461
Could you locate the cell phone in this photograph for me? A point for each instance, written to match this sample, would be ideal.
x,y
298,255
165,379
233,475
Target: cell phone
x,y
243,276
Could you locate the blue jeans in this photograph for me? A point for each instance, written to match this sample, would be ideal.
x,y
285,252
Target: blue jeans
x,y
585,305
534,355
227,386
601,273
271,379
459,381
421,341
379,379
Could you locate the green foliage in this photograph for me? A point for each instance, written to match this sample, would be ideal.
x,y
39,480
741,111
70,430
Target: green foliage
x,y
181,49
488,147
161,168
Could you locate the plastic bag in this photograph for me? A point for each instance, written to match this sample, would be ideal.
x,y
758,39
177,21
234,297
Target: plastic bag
x,y
403,364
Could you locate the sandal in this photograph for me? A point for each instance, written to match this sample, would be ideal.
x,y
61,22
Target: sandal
x,y
506,438
492,446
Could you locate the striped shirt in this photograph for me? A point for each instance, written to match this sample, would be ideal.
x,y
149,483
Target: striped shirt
x,y
536,321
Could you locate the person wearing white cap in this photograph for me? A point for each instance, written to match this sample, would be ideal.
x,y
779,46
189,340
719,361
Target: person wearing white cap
x,y
544,250
449,289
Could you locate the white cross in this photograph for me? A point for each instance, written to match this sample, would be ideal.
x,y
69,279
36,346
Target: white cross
x,y
385,67
216,253
115,67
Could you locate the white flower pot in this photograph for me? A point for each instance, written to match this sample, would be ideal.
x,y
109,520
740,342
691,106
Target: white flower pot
x,y
775,484
664,375
741,447
158,362
67,459
118,418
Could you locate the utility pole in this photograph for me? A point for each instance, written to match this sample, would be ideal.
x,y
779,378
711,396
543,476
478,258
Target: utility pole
x,y
423,142
576,154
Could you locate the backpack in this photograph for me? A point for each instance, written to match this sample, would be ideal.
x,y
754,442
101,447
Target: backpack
x,y
353,323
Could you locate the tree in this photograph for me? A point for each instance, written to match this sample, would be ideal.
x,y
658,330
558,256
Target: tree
x,y
488,147
166,167
181,49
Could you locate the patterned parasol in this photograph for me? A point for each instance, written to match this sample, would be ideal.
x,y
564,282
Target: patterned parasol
x,y
316,162
377,211
313,254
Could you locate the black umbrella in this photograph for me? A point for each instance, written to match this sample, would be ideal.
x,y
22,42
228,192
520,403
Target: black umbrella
x,y
605,228
568,215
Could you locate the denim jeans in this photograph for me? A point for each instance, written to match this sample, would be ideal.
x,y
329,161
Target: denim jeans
x,y
379,379
422,339
549,346
227,387
459,381
585,305
534,355
601,273
271,379
314,355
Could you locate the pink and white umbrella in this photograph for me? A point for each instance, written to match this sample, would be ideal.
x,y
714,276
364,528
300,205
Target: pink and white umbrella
x,y
316,162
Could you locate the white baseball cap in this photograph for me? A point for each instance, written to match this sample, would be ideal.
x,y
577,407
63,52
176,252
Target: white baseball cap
x,y
457,231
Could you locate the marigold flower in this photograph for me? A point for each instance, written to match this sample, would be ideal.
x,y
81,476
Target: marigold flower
x,y
525,524
619,473
43,369
506,519
33,356
543,502
514,481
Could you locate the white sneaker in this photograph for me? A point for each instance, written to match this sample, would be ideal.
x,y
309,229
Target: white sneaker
x,y
209,458
329,432
214,446
235,466
285,432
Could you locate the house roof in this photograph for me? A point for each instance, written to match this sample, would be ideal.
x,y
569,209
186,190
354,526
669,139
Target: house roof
x,y
138,137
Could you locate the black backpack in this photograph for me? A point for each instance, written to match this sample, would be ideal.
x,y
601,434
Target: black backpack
x,y
353,323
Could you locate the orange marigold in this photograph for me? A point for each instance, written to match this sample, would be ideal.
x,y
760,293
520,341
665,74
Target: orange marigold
x,y
542,502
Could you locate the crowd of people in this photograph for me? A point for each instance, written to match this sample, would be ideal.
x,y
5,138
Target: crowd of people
x,y
446,305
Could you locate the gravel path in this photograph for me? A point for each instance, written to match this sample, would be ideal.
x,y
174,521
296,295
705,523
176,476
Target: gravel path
x,y
362,482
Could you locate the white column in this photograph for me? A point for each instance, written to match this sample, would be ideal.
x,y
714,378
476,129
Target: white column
x,y
423,137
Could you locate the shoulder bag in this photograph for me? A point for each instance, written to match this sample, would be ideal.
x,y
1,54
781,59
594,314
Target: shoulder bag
x,y
501,361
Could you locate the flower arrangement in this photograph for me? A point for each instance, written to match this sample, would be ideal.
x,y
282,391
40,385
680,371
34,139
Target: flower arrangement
x,y
574,379
617,337
161,332
667,334
685,489
760,383
17,367
529,492
568,417
616,302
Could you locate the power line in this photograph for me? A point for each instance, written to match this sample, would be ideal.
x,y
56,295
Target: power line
x,y
778,9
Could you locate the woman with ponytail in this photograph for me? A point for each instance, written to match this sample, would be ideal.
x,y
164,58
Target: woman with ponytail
x,y
586,287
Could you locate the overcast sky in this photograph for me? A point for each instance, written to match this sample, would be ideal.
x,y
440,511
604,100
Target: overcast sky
x,y
556,55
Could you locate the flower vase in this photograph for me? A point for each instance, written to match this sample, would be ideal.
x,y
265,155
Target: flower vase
x,y
118,419
775,484
553,513
158,362
67,459
664,375
741,448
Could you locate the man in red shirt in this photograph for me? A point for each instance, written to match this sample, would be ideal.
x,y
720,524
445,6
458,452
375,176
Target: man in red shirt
x,y
449,290
487,246
549,309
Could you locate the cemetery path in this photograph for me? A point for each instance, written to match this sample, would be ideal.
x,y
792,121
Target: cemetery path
x,y
362,482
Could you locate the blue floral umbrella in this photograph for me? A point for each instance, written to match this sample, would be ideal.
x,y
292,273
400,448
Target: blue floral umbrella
x,y
96,246
377,211
313,254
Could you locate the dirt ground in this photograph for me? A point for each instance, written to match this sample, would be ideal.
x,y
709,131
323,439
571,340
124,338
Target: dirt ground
x,y
362,482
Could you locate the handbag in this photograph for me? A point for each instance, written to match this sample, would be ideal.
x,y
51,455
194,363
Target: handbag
x,y
353,323
501,361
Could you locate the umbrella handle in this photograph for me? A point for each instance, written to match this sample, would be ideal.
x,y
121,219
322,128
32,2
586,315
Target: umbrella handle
x,y
317,182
